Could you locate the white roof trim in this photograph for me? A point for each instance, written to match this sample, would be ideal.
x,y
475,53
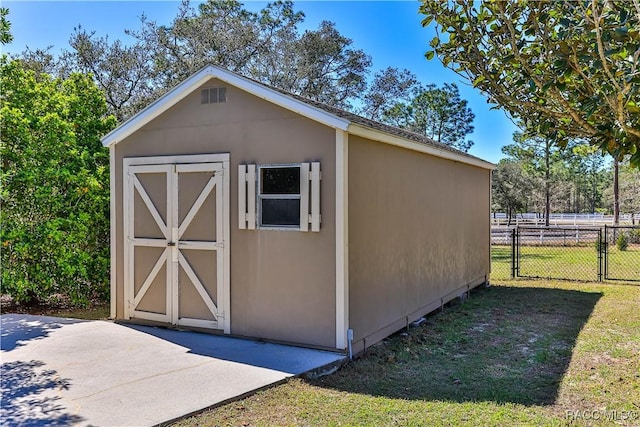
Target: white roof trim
x,y
380,136
185,88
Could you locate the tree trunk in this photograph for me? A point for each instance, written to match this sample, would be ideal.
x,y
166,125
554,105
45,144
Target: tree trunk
x,y
594,190
547,173
616,193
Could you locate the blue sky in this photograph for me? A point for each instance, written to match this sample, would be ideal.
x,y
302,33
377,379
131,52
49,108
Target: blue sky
x,y
389,31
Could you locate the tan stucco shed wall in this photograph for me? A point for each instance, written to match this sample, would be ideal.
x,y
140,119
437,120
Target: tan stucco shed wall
x,y
418,233
282,282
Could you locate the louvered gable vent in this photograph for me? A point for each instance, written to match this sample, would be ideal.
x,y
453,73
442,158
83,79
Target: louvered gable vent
x,y
213,95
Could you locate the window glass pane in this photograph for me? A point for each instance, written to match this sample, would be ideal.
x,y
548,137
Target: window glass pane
x,y
284,180
281,212
213,95
222,94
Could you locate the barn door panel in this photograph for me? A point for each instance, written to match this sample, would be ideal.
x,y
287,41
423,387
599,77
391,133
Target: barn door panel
x,y
150,281
148,211
200,254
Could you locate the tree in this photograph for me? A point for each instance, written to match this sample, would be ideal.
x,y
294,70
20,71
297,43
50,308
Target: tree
x,y
267,46
576,65
538,157
439,113
42,62
55,192
388,87
587,167
328,69
629,191
510,188
124,73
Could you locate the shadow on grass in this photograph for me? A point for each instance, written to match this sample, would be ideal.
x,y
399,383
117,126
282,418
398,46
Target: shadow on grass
x,y
505,256
501,255
504,344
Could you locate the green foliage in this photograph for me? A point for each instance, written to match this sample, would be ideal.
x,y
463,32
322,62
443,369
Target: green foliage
x,y
572,68
629,188
389,87
439,113
5,27
55,192
511,188
622,242
267,45
634,235
574,178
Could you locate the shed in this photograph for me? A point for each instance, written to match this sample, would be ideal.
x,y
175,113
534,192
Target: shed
x,y
240,209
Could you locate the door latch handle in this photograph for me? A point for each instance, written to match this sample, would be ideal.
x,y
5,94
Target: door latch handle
x,y
171,244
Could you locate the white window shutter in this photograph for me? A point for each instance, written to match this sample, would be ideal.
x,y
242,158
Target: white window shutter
x,y
304,196
247,197
242,197
315,177
251,197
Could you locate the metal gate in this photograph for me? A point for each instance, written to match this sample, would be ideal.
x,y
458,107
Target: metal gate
x,y
622,253
558,253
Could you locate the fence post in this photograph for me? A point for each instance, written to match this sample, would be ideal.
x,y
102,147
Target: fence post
x,y
600,255
513,253
606,250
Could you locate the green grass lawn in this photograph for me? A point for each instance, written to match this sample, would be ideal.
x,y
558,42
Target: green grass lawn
x,y
518,353
566,262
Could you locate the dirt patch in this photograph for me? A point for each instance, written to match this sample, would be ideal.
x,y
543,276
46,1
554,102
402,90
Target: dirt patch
x,y
56,308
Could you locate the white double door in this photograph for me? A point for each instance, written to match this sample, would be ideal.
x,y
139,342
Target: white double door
x,y
174,243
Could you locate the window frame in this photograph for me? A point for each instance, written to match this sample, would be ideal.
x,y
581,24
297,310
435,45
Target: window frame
x,y
260,196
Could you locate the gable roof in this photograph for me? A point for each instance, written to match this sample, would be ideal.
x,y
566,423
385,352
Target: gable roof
x,y
314,110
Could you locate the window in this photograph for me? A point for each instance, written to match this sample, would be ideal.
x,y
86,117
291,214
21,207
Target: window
x,y
279,196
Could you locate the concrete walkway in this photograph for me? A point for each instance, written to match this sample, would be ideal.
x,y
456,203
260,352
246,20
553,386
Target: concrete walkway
x,y
71,372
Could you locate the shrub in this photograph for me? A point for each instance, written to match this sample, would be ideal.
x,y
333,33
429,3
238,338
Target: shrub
x,y
55,189
634,235
622,242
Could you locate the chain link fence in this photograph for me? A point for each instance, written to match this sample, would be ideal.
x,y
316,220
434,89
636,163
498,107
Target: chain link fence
x,y
622,253
566,253
501,252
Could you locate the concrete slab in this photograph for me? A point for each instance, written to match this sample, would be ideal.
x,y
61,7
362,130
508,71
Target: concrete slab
x,y
72,372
